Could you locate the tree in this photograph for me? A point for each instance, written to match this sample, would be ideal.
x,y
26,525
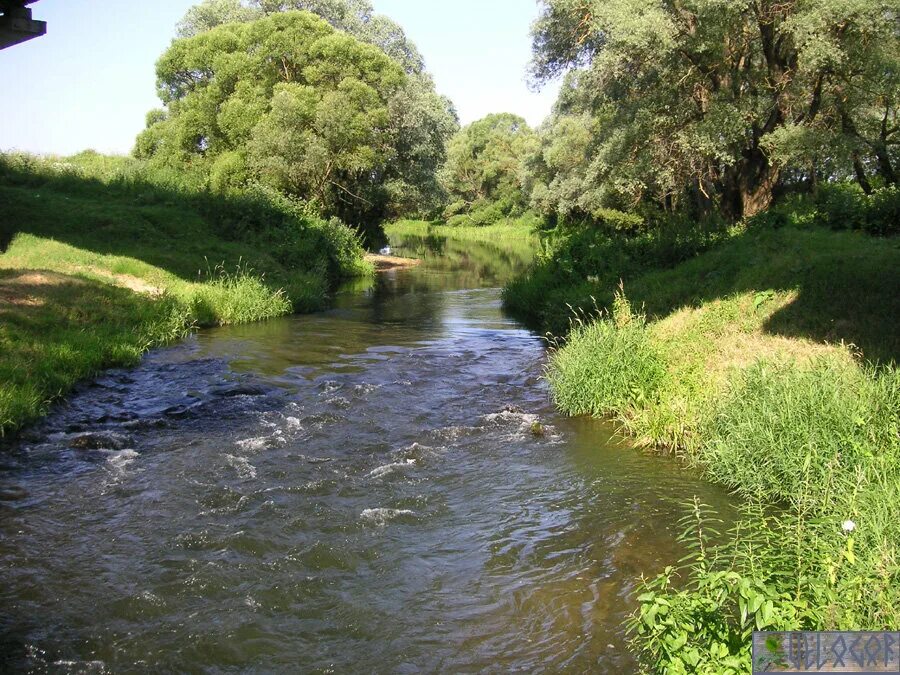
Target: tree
x,y
211,13
484,166
286,99
419,124
356,17
713,101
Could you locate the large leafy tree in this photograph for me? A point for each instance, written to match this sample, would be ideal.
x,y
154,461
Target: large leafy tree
x,y
716,102
356,17
485,165
358,156
285,99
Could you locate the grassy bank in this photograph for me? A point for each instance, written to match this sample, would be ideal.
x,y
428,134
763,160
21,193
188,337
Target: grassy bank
x,y
512,230
103,259
768,361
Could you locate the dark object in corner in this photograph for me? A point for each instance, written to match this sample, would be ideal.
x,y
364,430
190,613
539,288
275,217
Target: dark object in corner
x,y
16,24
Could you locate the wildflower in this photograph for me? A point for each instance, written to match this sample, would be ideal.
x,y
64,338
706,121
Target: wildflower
x,y
848,526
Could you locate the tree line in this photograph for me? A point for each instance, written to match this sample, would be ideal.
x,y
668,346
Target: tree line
x,y
695,107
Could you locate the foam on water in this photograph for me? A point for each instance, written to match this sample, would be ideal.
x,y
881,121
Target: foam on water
x,y
242,465
390,468
382,516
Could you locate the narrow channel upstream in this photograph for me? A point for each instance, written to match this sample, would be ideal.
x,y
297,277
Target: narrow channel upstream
x,y
354,491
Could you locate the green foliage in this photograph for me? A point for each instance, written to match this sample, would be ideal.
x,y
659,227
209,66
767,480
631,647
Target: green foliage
x,y
607,365
705,623
482,175
704,106
845,206
356,17
583,261
319,108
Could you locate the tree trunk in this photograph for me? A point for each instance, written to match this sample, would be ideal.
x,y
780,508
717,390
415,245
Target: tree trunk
x,y
750,185
861,176
885,168
758,180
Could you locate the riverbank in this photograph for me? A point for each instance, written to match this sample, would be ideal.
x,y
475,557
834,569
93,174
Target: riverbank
x,y
386,263
769,362
510,230
102,260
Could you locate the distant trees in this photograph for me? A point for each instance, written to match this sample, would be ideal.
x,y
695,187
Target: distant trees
x,y
703,104
484,172
254,93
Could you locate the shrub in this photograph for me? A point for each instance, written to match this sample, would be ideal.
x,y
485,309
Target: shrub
x,y
607,365
884,212
844,206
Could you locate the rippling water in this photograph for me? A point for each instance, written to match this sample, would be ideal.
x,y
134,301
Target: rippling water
x,y
358,490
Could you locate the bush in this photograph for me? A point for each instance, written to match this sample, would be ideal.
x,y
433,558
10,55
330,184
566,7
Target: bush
x,y
884,212
607,365
844,206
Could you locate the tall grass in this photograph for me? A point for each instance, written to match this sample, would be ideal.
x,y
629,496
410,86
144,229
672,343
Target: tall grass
x,y
608,366
234,297
811,438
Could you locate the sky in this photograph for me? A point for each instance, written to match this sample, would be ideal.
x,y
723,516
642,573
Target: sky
x,y
90,81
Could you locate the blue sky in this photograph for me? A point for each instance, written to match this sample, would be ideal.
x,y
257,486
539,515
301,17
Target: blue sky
x,y
90,81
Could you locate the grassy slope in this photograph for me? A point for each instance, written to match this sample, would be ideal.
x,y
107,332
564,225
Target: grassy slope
x,y
120,273
790,294
741,367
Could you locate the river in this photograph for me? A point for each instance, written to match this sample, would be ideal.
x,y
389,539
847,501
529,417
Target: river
x,y
359,490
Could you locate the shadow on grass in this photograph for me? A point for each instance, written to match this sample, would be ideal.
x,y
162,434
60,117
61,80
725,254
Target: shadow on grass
x,y
56,330
846,286
143,215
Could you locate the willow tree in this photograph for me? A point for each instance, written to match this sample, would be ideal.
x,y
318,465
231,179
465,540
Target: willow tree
x,y
485,164
356,17
285,98
714,100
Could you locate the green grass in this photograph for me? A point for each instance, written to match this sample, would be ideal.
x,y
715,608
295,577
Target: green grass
x,y
769,361
507,230
56,330
127,258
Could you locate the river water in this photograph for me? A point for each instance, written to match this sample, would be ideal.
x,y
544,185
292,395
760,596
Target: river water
x,y
354,491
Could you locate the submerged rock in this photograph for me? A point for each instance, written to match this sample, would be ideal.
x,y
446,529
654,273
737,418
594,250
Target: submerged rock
x,y
100,440
232,390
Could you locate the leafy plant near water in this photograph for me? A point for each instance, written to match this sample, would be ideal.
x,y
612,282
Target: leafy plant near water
x,y
607,366
812,439
235,297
